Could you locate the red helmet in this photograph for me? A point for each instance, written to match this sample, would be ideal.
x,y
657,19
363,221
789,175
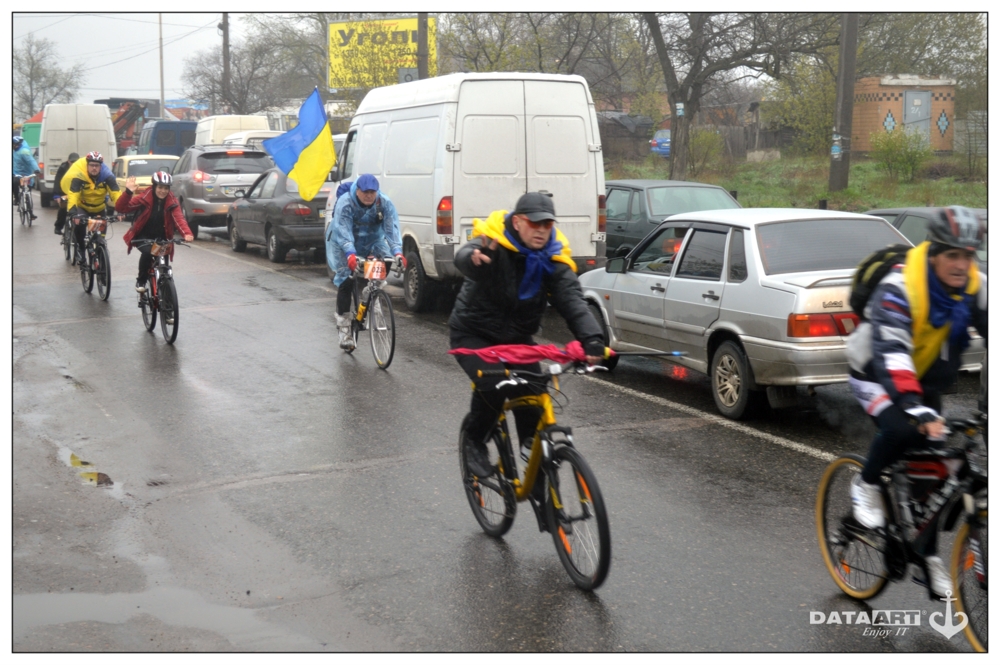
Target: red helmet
x,y
161,178
95,157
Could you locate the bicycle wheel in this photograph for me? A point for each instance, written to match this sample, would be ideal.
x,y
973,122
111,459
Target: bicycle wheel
x,y
492,498
102,272
29,207
969,576
86,271
851,552
578,520
148,307
170,314
67,240
356,326
382,329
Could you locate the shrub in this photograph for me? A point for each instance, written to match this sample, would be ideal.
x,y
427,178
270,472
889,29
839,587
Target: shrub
x,y
900,153
942,168
704,147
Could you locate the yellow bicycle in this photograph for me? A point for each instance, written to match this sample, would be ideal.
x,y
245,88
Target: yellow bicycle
x,y
556,480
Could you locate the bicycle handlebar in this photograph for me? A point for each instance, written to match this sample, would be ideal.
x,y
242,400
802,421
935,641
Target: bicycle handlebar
x,y
396,265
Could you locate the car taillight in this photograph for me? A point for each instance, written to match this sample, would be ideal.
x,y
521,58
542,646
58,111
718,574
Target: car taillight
x,y
234,152
41,166
602,213
821,325
653,142
445,224
201,176
297,209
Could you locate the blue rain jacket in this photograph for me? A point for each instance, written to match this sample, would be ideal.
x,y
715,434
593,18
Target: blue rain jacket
x,y
355,229
24,161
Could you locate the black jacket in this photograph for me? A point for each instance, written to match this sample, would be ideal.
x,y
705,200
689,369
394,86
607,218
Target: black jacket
x,y
488,307
59,176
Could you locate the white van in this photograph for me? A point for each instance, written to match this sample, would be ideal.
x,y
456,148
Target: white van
x,y
252,137
449,149
66,128
215,128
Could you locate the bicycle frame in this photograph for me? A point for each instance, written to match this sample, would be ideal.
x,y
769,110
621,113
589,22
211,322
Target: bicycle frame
x,y
548,419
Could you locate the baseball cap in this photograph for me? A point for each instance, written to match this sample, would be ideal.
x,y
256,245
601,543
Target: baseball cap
x,y
367,183
536,206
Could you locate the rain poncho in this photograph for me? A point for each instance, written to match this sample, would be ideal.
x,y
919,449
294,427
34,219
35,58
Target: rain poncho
x,y
355,229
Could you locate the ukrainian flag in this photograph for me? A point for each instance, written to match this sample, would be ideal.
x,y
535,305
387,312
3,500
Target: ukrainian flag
x,y
305,153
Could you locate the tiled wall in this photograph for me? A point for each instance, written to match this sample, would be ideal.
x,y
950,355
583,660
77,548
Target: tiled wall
x,y
878,108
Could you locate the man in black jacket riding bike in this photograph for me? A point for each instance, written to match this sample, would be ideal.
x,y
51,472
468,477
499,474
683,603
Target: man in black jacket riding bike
x,y
516,263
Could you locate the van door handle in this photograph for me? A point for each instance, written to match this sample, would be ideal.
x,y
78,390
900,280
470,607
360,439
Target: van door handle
x,y
710,295
657,287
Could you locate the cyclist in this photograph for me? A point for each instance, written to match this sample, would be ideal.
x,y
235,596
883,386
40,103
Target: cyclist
x,y
515,263
60,194
159,215
24,166
88,183
906,353
363,220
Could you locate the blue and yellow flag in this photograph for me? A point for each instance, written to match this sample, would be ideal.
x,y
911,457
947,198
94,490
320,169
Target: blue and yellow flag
x,y
305,153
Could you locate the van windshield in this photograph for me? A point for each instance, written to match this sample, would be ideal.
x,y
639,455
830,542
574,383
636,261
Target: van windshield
x,y
234,161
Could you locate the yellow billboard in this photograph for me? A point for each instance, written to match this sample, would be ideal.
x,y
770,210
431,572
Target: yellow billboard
x,y
377,52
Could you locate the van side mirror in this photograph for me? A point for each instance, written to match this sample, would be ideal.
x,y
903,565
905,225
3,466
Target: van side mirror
x,y
616,265
334,174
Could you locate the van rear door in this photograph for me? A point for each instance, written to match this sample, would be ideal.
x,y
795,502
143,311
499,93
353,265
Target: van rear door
x,y
489,170
563,157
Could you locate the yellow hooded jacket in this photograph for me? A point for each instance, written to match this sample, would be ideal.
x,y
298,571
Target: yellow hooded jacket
x,y
82,191
493,228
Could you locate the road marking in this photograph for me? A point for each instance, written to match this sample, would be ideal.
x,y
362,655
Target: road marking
x,y
719,420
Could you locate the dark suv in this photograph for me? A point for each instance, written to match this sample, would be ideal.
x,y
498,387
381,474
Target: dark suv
x,y
206,179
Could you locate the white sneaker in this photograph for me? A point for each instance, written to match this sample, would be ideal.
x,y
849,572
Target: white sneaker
x,y
867,500
940,580
344,332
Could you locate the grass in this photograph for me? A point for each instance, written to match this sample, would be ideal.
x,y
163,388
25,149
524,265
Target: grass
x,y
800,182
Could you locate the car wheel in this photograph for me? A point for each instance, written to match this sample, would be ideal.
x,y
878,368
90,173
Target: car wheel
x,y
276,251
237,243
416,285
611,362
730,373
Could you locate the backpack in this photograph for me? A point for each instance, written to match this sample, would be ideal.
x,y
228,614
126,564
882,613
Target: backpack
x,y
872,269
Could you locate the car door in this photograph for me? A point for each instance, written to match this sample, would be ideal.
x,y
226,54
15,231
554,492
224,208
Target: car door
x,y
270,206
617,204
695,293
252,222
637,299
639,221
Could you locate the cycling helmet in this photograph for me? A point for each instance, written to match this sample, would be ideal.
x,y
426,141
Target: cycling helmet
x,y
18,141
161,178
95,157
956,226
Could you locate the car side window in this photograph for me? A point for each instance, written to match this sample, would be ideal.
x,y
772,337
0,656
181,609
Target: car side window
x,y
350,149
703,257
658,256
117,168
617,205
737,257
181,165
914,228
636,205
267,191
256,188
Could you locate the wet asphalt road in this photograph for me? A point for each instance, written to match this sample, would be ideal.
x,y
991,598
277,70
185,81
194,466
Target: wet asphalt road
x,y
254,488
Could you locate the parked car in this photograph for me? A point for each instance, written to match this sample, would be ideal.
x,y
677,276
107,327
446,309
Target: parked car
x,y
660,143
757,298
206,179
912,223
271,212
142,167
635,207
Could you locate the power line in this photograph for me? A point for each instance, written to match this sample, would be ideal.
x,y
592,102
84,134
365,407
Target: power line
x,y
108,64
97,15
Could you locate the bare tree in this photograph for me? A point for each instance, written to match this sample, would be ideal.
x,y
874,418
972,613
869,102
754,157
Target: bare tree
x,y
38,80
708,48
255,78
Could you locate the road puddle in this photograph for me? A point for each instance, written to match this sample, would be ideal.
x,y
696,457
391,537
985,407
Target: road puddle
x,y
88,473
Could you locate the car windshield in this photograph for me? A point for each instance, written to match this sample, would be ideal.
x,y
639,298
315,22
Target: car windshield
x,y
662,134
147,167
822,244
665,201
234,161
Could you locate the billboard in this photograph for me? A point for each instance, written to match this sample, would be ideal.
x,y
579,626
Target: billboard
x,y
368,54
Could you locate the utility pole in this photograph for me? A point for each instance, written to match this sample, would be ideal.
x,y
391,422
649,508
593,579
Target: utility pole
x,y
840,153
422,70
225,60
163,107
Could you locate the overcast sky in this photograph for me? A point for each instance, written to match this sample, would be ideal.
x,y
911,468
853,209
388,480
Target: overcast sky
x,y
123,58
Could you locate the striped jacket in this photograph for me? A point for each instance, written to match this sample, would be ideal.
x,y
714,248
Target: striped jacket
x,y
897,347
